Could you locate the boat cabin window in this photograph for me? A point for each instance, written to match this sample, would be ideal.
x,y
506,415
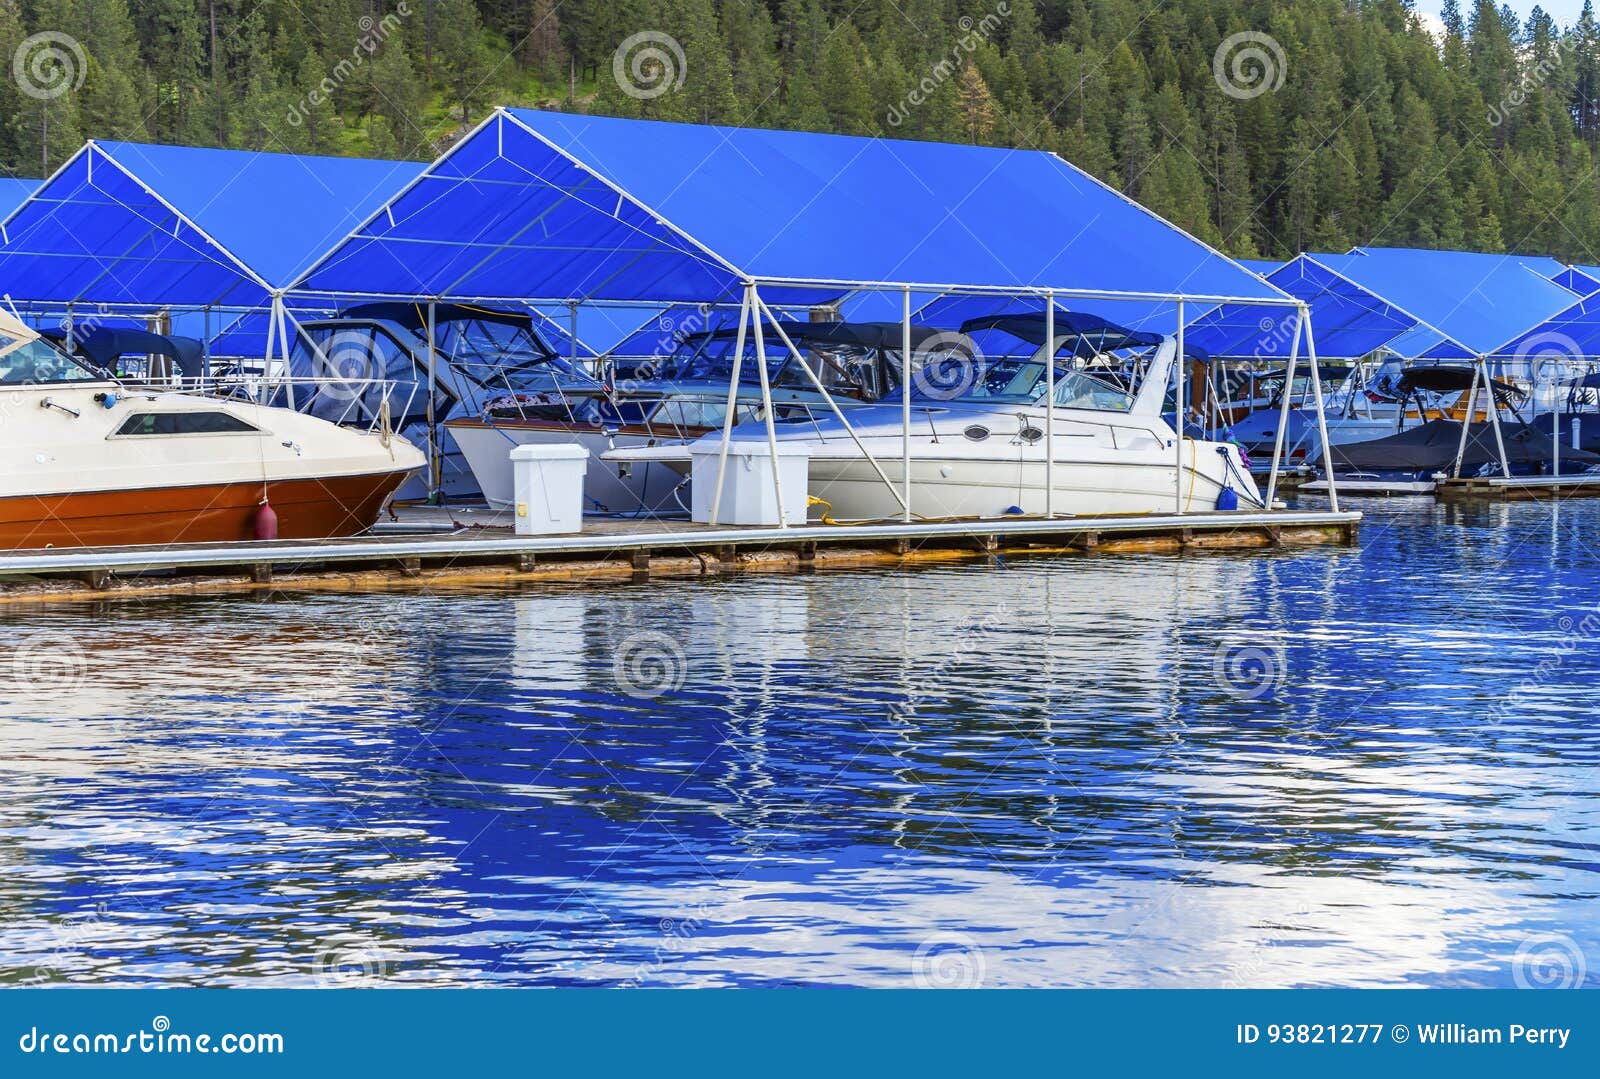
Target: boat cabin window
x,y
34,362
182,423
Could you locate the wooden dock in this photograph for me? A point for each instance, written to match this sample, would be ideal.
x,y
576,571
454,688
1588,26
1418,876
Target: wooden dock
x,y
462,547
1519,488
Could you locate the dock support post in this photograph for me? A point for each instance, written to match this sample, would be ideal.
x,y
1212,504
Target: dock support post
x,y
435,468
98,579
1050,399
1283,411
1322,414
639,559
1494,420
1180,411
1466,421
905,404
261,573
767,409
526,563
733,404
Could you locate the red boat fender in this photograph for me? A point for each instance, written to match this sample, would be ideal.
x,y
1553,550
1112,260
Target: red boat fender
x,y
266,521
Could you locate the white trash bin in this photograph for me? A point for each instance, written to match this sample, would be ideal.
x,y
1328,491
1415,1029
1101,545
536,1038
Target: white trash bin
x,y
748,497
548,481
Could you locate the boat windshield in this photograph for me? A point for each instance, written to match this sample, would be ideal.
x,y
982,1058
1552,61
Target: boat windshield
x,y
35,361
1019,381
856,370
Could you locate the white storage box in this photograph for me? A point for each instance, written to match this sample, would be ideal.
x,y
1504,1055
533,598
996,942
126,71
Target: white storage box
x,y
549,488
748,497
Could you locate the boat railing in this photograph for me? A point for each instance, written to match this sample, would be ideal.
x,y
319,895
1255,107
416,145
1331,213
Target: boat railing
x,y
368,404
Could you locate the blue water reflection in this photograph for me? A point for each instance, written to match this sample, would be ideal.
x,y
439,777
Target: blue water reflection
x,y
1370,767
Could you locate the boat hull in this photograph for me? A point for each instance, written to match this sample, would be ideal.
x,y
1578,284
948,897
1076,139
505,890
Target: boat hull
x,y
956,487
314,508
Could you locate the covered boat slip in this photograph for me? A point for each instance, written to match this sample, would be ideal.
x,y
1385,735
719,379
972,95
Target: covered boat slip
x,y
554,208
563,212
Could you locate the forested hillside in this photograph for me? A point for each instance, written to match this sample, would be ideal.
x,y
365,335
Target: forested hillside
x,y
1340,122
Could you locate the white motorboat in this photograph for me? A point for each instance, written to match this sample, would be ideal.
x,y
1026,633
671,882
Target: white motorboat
x,y
978,440
858,362
88,460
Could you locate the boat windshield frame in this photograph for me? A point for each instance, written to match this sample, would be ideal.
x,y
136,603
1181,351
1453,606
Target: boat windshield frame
x,y
70,369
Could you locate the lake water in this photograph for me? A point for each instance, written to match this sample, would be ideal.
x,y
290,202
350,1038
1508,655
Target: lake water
x,y
1370,767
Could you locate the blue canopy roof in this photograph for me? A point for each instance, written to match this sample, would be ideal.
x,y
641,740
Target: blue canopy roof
x,y
1347,321
1475,300
13,192
546,206
1573,334
1584,280
127,223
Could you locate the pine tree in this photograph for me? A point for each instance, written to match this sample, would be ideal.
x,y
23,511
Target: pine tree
x,y
464,60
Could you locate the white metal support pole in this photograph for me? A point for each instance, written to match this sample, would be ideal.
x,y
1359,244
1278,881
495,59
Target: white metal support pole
x,y
572,332
1322,413
1494,420
766,408
1466,420
435,467
745,310
1050,404
1180,412
265,387
285,346
788,343
1283,411
1555,419
905,404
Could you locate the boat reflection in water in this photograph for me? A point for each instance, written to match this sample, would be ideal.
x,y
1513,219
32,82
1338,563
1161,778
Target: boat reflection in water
x,y
1143,770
